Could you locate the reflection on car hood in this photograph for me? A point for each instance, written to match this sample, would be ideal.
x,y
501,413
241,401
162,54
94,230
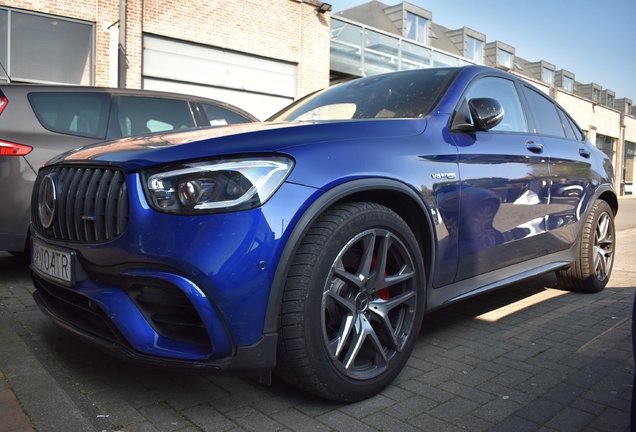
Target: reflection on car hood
x,y
140,151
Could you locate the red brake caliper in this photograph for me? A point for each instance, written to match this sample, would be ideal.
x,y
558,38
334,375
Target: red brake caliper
x,y
384,292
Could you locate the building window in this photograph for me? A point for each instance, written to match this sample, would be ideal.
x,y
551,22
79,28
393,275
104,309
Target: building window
x,y
43,48
610,101
504,58
547,76
3,44
606,145
474,49
596,95
568,84
416,27
629,168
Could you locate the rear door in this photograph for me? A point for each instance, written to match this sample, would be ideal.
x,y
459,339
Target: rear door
x,y
571,182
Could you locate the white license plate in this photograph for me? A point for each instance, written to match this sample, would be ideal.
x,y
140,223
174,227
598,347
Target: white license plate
x,y
53,263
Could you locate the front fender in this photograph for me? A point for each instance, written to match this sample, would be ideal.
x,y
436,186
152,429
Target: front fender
x,y
328,199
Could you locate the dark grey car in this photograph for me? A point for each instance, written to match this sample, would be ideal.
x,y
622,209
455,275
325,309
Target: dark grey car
x,y
40,122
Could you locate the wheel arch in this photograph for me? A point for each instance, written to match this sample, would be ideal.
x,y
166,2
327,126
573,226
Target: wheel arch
x,y
392,194
609,196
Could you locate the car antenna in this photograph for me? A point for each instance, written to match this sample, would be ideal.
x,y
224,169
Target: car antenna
x,y
5,72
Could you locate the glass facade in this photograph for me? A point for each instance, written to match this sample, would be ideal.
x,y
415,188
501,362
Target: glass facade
x,y
46,49
415,56
360,51
346,53
381,53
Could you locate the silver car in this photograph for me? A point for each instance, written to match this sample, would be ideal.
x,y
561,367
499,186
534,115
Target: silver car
x,y
40,122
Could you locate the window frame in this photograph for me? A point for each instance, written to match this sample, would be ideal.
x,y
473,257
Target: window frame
x,y
474,47
535,120
89,68
570,84
35,99
509,57
462,106
567,121
547,76
123,104
419,38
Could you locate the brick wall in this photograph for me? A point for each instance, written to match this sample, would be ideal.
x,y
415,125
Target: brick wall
x,y
285,30
279,29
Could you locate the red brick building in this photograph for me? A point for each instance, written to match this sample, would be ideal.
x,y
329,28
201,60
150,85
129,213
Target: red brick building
x,y
259,55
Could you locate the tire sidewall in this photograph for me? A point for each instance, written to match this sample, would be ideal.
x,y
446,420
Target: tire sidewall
x,y
345,387
589,266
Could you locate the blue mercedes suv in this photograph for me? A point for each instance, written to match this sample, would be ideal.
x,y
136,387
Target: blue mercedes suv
x,y
312,244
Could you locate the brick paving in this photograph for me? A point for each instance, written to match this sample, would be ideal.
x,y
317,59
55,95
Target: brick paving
x,y
528,357
13,418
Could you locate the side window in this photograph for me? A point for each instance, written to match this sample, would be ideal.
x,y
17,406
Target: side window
x,y
139,115
572,131
505,92
81,114
220,116
545,114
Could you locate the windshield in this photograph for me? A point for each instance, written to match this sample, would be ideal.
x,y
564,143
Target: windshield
x,y
408,94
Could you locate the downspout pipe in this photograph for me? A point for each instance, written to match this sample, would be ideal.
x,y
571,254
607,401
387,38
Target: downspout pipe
x,y
122,44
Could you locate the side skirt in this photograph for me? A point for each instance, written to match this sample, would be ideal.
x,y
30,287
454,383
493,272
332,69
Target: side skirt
x,y
438,297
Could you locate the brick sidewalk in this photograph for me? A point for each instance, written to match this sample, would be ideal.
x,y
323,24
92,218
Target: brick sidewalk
x,y
525,358
13,418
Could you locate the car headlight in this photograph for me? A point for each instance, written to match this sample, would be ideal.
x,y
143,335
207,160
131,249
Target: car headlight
x,y
215,186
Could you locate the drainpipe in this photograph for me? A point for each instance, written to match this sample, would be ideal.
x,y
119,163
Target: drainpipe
x,y
619,177
122,44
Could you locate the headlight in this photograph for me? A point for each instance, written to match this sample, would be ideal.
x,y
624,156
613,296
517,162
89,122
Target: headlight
x,y
215,186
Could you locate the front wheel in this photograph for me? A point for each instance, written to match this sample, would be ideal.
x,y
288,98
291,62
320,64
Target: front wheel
x,y
595,256
353,303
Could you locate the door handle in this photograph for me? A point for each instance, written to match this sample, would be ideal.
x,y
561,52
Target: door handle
x,y
534,147
585,153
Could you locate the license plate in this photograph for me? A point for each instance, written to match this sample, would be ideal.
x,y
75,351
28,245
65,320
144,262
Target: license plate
x,y
53,263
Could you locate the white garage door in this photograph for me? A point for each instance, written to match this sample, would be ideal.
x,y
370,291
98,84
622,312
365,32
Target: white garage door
x,y
259,86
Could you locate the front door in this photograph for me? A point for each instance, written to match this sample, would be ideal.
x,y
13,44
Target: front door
x,y
505,181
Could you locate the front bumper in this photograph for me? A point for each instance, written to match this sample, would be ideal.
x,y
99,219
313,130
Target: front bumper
x,y
253,360
178,291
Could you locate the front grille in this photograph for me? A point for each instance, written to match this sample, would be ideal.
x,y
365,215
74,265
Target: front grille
x,y
91,207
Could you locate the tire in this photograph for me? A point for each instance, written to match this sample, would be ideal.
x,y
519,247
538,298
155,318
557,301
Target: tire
x,y
595,257
352,305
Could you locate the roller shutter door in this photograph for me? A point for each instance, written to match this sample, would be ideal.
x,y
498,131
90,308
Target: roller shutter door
x,y
258,85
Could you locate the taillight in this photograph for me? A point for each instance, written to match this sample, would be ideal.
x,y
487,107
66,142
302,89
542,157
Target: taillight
x,y
3,103
8,148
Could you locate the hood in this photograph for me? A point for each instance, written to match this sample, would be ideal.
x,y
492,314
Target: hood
x,y
137,152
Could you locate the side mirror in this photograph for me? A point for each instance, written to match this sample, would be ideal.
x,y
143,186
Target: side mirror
x,y
486,113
